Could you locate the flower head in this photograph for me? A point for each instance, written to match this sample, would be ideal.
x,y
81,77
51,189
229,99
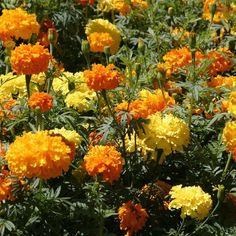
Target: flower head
x,y
39,155
40,100
103,160
111,37
192,201
70,135
30,59
148,103
102,78
229,136
17,23
222,81
132,217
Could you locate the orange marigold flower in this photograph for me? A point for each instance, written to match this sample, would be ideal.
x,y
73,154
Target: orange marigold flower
x,y
5,186
221,61
17,23
105,160
177,59
30,59
149,103
132,217
42,101
51,155
102,78
98,41
122,7
220,81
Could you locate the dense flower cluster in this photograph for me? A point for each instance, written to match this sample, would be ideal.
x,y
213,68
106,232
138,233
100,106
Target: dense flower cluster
x,y
103,26
41,101
132,217
17,23
51,155
30,59
192,201
102,77
148,103
103,160
70,135
76,92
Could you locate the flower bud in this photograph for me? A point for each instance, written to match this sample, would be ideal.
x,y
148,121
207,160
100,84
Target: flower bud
x,y
221,193
138,69
52,35
85,47
107,51
141,46
171,11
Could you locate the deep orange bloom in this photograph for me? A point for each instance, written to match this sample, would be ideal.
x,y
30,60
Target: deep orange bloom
x,y
132,217
17,23
220,81
39,155
42,101
221,61
102,78
5,186
103,160
84,3
149,103
30,59
99,40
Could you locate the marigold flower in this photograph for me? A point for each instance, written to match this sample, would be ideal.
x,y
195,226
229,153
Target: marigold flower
x,y
6,106
102,78
177,59
51,155
30,59
221,61
222,11
103,160
41,101
104,26
5,187
122,7
84,3
232,103
17,23
70,135
148,103
222,81
132,217
105,5
192,201
229,136
98,41
167,133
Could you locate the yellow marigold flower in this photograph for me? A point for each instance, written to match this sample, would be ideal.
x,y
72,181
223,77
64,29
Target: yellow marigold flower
x,y
6,106
103,160
132,217
98,41
105,5
180,33
222,11
17,23
102,78
168,133
229,136
14,85
192,201
81,101
148,103
30,59
222,81
221,61
41,101
140,3
70,135
51,155
104,26
232,103
39,79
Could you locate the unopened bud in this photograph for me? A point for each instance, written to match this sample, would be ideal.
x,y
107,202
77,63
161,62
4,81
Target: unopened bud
x,y
107,51
171,11
141,45
52,36
221,193
138,69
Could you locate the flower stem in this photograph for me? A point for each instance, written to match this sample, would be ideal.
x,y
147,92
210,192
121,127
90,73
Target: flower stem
x,y
27,81
226,167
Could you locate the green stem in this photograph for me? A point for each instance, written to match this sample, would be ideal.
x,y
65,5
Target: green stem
x,y
204,222
226,167
180,228
27,81
39,120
